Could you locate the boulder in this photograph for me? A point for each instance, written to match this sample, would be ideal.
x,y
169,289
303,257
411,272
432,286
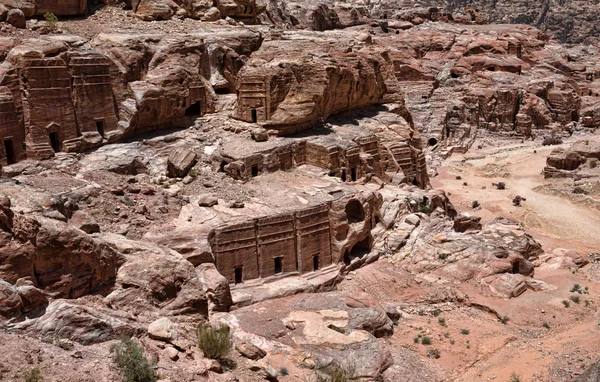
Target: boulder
x,y
162,329
85,222
10,302
250,350
216,286
260,135
16,18
180,162
207,201
81,323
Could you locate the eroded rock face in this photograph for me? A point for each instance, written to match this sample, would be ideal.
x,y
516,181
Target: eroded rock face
x,y
206,10
58,258
501,255
40,7
119,85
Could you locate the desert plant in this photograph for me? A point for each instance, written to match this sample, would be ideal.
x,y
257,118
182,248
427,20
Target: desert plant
x,y
433,353
546,325
128,201
284,371
593,164
575,299
517,201
579,190
443,256
465,331
501,186
458,177
426,340
515,378
335,373
132,362
215,343
416,340
34,375
575,288
475,204
551,141
505,320
51,19
442,321
566,303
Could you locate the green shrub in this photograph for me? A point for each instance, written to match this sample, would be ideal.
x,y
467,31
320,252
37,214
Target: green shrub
x,y
580,191
501,186
128,201
34,375
215,343
132,362
335,373
575,299
593,164
51,19
475,204
575,288
566,303
442,321
416,340
433,353
458,177
546,325
443,256
284,371
505,320
465,331
515,378
426,340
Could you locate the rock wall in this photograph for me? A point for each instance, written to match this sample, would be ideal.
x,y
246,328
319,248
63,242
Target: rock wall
x,y
62,94
40,7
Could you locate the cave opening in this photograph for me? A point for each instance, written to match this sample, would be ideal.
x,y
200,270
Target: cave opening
x,y
9,149
194,110
355,212
432,142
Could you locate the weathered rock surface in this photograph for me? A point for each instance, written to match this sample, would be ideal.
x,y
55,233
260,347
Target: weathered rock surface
x,y
180,162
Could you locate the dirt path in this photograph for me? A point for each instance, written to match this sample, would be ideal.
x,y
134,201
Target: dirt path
x,y
553,220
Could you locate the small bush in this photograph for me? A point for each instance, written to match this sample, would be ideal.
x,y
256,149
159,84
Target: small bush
x,y
566,303
443,256
505,320
284,371
442,321
426,340
465,331
416,340
593,164
424,208
34,375
575,288
51,19
465,184
475,204
436,312
458,177
517,201
501,186
580,191
551,141
128,201
214,343
515,378
546,325
132,362
587,303
433,353
335,373
575,299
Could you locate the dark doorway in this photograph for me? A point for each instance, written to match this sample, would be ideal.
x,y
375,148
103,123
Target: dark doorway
x,y
432,142
55,142
254,116
343,175
353,174
254,171
193,110
316,263
360,249
515,268
10,151
100,127
354,211
238,275
278,265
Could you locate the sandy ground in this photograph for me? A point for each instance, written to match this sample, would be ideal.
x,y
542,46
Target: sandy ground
x,y
555,221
